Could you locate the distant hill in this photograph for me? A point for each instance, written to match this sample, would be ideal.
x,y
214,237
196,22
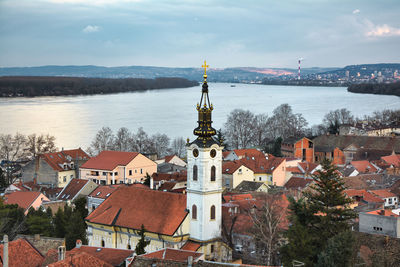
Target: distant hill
x,y
12,86
239,74
365,69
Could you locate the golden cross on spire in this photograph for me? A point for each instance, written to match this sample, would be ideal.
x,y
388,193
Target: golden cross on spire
x,y
205,66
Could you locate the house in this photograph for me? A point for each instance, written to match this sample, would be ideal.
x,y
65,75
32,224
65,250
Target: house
x,y
296,185
364,167
172,159
80,259
21,253
25,200
116,222
158,179
234,172
54,169
391,199
365,181
166,167
117,167
393,162
76,188
364,200
382,221
341,149
243,153
98,195
251,186
271,171
302,169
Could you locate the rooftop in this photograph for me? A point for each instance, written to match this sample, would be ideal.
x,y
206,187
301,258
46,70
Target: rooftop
x,y
57,159
21,253
109,160
23,199
173,254
113,256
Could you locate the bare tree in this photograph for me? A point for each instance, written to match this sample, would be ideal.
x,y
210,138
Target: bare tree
x,y
285,124
178,147
123,139
238,128
141,142
104,140
339,116
261,130
267,219
160,144
38,144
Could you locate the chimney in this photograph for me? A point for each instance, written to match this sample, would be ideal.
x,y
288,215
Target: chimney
x,y
190,261
78,243
5,251
61,253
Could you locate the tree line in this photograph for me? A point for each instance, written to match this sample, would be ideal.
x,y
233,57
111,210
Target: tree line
x,y
30,86
376,88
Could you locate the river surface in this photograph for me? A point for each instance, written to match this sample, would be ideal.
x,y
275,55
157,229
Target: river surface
x,y
74,120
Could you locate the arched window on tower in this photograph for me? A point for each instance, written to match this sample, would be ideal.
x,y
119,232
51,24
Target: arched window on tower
x,y
103,244
195,173
213,174
194,212
212,211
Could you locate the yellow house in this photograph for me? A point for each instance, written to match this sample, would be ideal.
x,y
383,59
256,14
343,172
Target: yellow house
x,y
115,167
234,172
117,221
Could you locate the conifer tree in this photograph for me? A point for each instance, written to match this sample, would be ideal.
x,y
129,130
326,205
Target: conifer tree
x,y
141,245
59,223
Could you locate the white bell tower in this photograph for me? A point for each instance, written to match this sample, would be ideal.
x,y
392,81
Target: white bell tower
x,y
204,175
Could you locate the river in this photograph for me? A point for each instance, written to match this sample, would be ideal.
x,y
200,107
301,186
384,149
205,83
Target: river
x,y
74,120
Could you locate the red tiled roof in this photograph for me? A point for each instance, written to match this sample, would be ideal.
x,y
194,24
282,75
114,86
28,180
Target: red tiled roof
x,y
393,159
112,256
109,160
364,194
173,254
383,193
72,188
57,159
177,176
363,166
225,154
167,186
80,259
104,191
308,167
261,164
168,158
250,152
21,253
298,182
294,170
236,197
130,207
383,213
190,245
230,167
22,199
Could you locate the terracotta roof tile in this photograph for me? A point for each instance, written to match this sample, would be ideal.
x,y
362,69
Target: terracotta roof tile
x,y
167,186
23,199
130,207
176,176
308,167
72,188
383,193
261,164
109,160
104,191
57,159
364,195
393,159
235,197
250,152
229,167
173,254
113,256
383,212
298,182
191,245
364,166
21,253
80,259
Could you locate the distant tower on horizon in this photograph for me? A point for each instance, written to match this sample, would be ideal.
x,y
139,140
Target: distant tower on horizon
x,y
298,75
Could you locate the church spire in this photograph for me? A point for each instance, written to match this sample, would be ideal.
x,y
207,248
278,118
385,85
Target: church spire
x,y
204,131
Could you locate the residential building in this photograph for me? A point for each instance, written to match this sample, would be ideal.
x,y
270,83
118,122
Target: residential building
x,y
243,153
251,186
76,188
234,172
158,179
117,167
364,167
100,194
383,222
271,171
172,159
54,169
25,200
391,199
364,200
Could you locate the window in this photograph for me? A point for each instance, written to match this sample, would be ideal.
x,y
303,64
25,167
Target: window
x,y
212,211
212,248
213,174
130,172
64,179
195,173
103,244
259,178
115,173
104,173
194,212
304,154
141,171
93,207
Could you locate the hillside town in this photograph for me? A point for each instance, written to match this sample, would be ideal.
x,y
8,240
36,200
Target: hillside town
x,y
213,206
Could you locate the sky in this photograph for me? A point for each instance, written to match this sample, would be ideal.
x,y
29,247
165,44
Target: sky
x,y
182,33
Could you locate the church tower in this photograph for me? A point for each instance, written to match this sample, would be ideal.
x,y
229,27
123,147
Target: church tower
x,y
204,175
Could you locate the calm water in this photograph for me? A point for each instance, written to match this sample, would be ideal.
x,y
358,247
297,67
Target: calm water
x,y
74,120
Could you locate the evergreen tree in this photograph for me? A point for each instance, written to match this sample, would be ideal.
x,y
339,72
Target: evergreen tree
x,y
147,180
39,222
75,229
12,220
80,207
141,245
322,214
338,251
59,223
277,147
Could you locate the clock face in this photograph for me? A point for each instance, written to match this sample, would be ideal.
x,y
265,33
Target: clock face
x,y
195,153
213,153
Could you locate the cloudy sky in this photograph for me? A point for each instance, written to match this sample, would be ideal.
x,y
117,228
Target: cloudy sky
x,y
182,33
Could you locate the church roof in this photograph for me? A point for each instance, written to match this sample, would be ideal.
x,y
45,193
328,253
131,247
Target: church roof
x,y
160,212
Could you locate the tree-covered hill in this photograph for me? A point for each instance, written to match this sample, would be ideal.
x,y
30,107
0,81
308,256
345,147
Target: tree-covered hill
x,y
376,88
56,86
